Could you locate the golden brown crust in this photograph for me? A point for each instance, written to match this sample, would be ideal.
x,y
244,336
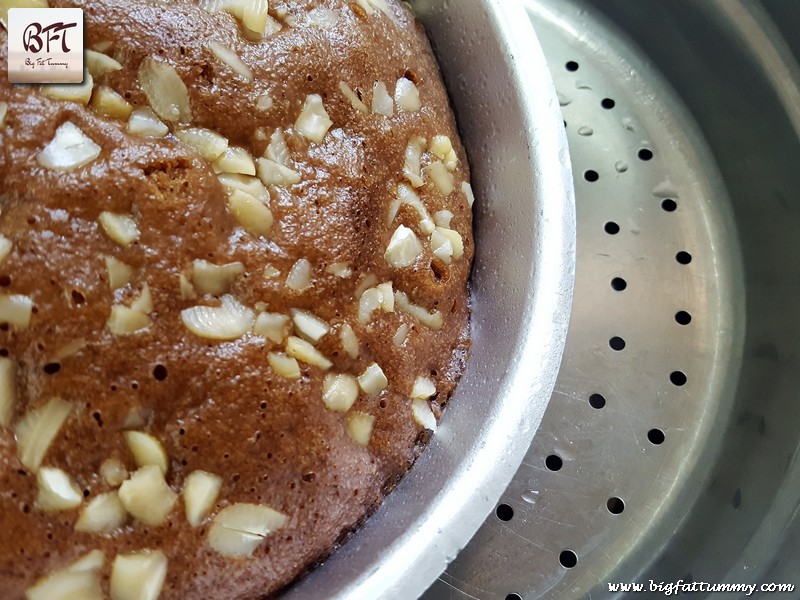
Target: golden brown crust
x,y
221,408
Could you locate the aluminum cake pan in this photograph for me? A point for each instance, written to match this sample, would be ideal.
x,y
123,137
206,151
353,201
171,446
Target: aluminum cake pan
x,y
522,281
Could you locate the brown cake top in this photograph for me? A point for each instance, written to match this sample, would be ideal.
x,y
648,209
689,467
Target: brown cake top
x,y
233,293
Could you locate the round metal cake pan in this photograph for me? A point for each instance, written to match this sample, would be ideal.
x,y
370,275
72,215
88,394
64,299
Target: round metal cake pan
x,y
510,123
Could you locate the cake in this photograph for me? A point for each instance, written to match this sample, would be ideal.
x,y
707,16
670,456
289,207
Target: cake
x,y
233,293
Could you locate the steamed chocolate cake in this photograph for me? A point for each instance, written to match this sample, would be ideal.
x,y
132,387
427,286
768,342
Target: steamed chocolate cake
x,y
234,269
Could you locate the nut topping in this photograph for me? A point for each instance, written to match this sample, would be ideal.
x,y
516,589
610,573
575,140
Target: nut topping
x,y
124,320
230,58
200,492
382,103
423,414
165,91
144,122
16,310
403,248
349,341
113,472
302,350
138,576
57,490
69,149
71,92
285,366
299,278
373,380
423,389
433,319
120,228
313,122
406,95
339,391
208,144
147,497
251,213
146,450
236,160
5,247
273,326
229,321
119,274
239,529
208,278
309,326
37,430
99,64
109,103
8,390
359,427
413,155
353,98
103,514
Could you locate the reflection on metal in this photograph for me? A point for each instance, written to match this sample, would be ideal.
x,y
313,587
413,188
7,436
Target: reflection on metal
x,y
669,449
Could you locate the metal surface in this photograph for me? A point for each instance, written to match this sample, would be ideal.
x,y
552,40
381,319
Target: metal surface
x,y
522,288
656,478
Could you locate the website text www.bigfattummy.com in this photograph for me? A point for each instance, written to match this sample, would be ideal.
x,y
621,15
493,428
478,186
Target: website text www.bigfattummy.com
x,y
669,588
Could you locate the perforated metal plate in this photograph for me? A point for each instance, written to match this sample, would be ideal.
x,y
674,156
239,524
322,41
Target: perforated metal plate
x,y
652,339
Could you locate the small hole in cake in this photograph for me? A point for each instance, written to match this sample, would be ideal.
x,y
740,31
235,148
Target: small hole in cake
x,y
5,280
309,78
181,431
26,509
98,417
3,352
113,388
226,456
31,220
3,326
52,368
263,405
160,372
86,493
184,462
78,298
441,271
411,76
134,385
382,404
236,477
309,477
